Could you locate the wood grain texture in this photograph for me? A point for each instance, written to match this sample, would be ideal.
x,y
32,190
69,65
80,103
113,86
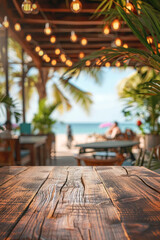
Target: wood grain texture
x,y
86,203
138,204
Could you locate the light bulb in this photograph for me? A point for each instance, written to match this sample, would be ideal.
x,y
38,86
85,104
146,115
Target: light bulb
x,y
76,6
116,24
118,64
106,30
48,59
35,9
107,64
6,22
41,53
45,56
47,29
158,45
84,41
52,39
37,49
118,42
69,63
63,57
28,38
53,62
125,45
73,37
57,51
88,63
27,6
81,55
150,39
98,62
17,27
129,7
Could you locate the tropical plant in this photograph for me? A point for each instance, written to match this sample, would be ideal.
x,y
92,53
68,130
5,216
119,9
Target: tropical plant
x,y
146,108
43,121
144,22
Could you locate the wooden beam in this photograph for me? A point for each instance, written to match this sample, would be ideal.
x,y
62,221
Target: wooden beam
x,y
66,10
18,8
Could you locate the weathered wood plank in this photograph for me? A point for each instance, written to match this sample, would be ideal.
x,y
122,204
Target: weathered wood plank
x,y
137,203
16,195
6,173
72,204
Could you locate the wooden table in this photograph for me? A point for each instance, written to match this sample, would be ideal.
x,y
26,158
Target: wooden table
x,y
121,146
35,144
86,203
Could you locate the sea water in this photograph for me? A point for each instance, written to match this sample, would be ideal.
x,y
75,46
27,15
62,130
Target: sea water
x,y
89,128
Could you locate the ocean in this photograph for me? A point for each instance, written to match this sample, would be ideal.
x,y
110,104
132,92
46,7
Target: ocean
x,y
89,128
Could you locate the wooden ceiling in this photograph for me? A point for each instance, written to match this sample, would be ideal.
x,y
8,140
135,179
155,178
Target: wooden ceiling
x,y
63,21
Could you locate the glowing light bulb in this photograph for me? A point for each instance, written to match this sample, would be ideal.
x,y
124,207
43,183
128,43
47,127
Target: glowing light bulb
x,y
106,30
84,41
118,42
150,39
158,45
81,55
53,62
116,24
107,64
118,64
125,45
98,62
27,6
52,39
17,27
35,9
88,63
48,59
57,51
129,8
63,57
37,49
47,29
45,56
28,38
103,58
76,6
69,63
6,22
73,37
41,53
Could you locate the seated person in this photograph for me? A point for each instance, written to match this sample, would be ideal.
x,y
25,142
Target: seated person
x,y
113,131
7,132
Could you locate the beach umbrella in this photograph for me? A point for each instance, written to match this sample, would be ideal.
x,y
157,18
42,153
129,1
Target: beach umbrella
x,y
106,124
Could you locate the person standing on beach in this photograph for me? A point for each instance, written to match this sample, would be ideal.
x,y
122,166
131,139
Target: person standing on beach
x,y
69,136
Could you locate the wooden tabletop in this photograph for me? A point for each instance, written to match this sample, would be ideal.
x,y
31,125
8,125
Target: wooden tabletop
x,y
86,203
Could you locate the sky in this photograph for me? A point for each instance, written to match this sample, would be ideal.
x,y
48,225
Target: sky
x,y
107,106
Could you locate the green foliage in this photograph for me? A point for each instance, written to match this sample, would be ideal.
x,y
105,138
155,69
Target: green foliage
x,y
42,121
145,107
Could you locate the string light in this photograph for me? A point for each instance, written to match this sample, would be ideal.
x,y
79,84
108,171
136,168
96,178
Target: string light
x,y
125,45
45,56
37,49
17,27
150,39
106,30
84,41
103,58
116,24
118,64
81,55
63,57
27,6
158,45
41,53
6,22
76,6
35,9
107,64
98,62
73,37
129,7
57,51
48,59
28,38
88,63
47,29
52,39
118,42
53,62
69,63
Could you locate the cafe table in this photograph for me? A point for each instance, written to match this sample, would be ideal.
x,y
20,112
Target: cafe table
x,y
86,203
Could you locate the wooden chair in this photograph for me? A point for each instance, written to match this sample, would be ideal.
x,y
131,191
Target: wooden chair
x,y
91,161
7,152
